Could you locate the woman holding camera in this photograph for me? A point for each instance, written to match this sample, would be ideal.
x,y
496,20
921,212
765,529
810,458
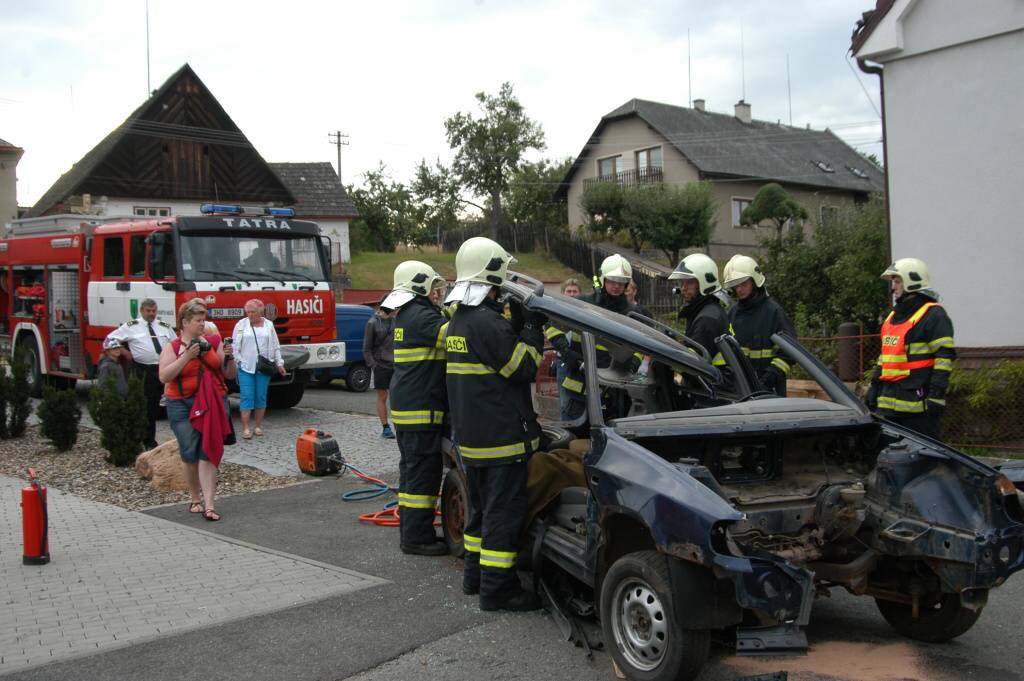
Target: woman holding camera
x,y
256,344
193,367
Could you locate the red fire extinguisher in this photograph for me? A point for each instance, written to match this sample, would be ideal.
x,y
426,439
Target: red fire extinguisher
x,y
34,523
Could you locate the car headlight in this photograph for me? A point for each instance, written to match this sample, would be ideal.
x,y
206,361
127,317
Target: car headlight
x,y
335,352
321,353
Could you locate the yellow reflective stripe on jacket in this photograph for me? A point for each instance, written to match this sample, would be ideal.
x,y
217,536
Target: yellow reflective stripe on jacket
x,y
781,365
420,354
522,349
468,368
497,452
943,364
441,333
902,406
718,360
601,348
759,354
551,333
944,342
426,501
471,543
417,417
917,349
573,385
498,559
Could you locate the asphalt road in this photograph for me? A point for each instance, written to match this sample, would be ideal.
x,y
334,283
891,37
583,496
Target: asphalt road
x,y
333,398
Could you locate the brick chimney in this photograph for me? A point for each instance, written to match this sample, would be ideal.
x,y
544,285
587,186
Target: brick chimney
x,y
698,104
743,111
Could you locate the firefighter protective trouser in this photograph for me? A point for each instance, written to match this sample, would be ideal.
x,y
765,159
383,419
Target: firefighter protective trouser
x,y
419,480
497,511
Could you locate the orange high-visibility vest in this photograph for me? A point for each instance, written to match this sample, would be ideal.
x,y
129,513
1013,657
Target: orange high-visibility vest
x,y
895,366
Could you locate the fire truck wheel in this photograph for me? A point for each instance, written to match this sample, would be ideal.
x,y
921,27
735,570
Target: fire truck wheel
x,y
35,373
285,396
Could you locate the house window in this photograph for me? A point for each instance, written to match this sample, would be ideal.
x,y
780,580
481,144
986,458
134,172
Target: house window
x,y
113,256
829,215
151,211
738,206
608,167
648,158
137,256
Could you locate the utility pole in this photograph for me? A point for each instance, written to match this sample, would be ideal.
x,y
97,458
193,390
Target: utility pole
x,y
339,140
149,91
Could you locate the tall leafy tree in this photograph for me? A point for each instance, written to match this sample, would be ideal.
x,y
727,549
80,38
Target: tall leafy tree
x,y
490,146
681,217
529,199
388,212
772,202
437,192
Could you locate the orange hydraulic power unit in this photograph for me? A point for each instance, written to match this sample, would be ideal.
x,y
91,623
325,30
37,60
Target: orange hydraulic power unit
x,y
34,522
317,453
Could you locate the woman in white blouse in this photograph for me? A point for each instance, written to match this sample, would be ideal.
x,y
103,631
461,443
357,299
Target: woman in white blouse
x,y
254,336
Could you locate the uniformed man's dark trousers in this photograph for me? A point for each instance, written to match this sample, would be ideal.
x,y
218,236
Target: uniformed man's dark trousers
x,y
497,511
152,388
419,470
929,423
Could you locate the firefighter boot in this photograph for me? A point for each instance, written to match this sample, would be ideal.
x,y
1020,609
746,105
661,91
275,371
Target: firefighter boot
x,y
436,548
514,601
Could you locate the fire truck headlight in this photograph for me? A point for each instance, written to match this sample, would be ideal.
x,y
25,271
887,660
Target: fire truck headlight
x,y
321,353
335,352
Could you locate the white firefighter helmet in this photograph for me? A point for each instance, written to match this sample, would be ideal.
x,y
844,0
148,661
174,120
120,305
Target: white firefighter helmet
x,y
412,278
615,268
912,271
739,269
700,267
480,264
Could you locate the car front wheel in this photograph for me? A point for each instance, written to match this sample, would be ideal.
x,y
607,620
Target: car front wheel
x,y
638,620
940,617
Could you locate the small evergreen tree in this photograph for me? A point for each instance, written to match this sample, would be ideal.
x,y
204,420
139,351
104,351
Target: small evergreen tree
x,y
122,421
18,404
5,394
772,202
59,415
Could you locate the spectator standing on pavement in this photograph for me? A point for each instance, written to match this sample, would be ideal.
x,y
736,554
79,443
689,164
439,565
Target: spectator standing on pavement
x,y
112,367
379,355
255,337
183,363
146,337
419,402
909,384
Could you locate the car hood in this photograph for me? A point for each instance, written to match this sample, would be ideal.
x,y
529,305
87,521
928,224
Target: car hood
x,y
571,313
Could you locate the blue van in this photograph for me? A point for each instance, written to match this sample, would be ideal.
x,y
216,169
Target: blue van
x,y
350,321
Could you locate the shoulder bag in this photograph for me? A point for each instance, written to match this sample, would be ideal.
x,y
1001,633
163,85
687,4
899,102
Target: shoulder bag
x,y
263,365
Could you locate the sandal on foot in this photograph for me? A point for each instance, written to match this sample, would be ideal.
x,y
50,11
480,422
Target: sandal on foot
x,y
247,434
258,432
211,515
195,507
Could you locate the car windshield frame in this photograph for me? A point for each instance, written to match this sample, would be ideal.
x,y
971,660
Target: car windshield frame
x,y
277,250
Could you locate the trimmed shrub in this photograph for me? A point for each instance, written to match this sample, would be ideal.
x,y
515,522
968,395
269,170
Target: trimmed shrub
x,y
122,421
59,415
15,406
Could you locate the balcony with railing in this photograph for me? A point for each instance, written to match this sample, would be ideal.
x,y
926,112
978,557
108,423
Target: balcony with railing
x,y
630,178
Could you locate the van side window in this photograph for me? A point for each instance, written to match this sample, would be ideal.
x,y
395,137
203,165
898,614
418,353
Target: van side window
x,y
113,257
137,256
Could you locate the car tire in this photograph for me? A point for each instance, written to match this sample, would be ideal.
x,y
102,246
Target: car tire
x,y
944,621
358,378
454,510
35,371
640,628
285,396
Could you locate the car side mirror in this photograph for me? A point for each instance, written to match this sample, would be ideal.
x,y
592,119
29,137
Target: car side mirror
x,y
157,255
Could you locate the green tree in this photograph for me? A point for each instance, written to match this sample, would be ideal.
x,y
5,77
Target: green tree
x,y
121,420
529,199
436,191
387,211
59,415
490,147
681,217
772,202
603,204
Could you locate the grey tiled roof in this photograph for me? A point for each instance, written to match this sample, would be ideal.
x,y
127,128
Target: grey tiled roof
x,y
316,188
720,145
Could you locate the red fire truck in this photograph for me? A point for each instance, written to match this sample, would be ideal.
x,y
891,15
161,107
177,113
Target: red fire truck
x,y
67,281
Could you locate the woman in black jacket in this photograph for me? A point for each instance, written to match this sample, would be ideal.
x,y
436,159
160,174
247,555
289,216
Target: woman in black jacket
x,y
379,355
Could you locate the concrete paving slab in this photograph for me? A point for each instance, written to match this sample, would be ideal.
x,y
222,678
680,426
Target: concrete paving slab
x,y
120,578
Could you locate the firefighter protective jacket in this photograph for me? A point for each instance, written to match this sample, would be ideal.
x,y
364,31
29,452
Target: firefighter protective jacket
x,y
706,320
917,356
418,394
752,322
490,368
569,345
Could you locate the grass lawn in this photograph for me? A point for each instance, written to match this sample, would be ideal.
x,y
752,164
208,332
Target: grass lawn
x,y
374,270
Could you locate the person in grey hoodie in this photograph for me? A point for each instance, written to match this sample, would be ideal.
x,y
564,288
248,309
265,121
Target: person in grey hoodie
x,y
379,355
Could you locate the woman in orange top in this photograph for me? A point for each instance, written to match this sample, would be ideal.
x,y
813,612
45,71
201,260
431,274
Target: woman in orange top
x,y
180,364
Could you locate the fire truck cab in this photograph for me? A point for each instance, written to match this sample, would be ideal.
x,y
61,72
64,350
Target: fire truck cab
x,y
67,281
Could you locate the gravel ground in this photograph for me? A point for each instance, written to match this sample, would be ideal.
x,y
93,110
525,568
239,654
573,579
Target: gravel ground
x,y
84,472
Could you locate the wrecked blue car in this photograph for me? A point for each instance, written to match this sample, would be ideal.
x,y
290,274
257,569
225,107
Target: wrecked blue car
x,y
712,505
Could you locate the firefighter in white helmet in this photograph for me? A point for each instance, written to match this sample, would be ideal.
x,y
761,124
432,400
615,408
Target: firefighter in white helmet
x,y
418,402
909,383
754,319
706,318
491,363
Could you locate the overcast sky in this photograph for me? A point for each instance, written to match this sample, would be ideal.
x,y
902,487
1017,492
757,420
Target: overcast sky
x,y
389,73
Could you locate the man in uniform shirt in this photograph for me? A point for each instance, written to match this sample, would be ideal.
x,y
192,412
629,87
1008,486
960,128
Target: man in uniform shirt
x,y
145,337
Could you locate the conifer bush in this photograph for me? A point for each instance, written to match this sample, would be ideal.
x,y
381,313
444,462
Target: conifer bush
x,y
59,415
15,406
122,421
